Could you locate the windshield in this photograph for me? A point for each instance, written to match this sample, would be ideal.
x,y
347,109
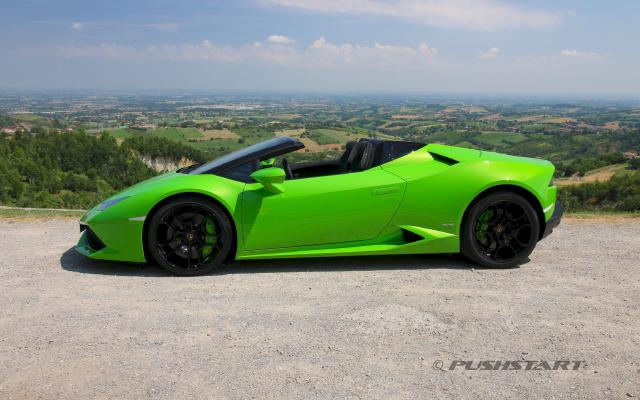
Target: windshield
x,y
258,148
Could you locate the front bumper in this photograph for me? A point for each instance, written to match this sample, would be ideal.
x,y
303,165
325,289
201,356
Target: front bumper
x,y
554,220
114,240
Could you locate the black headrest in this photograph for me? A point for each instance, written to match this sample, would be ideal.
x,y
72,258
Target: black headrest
x,y
347,149
365,152
355,153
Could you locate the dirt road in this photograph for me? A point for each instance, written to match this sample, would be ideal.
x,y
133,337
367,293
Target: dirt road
x,y
350,328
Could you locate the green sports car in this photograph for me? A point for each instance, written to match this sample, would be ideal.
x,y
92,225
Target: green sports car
x,y
377,198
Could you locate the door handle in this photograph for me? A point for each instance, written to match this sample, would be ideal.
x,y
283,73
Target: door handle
x,y
384,190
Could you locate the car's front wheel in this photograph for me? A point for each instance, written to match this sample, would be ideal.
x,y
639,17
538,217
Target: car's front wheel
x,y
500,230
189,236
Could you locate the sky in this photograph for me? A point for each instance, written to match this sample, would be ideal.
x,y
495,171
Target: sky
x,y
570,47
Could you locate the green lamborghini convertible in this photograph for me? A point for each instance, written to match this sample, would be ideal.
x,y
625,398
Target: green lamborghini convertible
x,y
377,198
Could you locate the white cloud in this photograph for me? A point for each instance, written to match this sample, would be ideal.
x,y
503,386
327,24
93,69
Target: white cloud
x,y
582,54
491,53
280,39
486,15
278,52
376,56
164,27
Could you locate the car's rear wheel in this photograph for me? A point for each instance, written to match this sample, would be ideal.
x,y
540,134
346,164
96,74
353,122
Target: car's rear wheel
x,y
500,230
189,236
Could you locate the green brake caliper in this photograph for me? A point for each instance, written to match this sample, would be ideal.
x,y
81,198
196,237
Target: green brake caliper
x,y
210,238
482,224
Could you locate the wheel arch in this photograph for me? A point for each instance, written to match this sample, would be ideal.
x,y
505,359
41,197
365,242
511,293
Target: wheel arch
x,y
526,194
156,207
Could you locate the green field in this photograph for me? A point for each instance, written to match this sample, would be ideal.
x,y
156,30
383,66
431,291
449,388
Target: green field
x,y
216,144
448,137
342,136
499,138
331,136
466,144
177,134
195,138
27,117
253,135
120,133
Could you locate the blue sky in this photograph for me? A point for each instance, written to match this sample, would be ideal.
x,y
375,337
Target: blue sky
x,y
332,46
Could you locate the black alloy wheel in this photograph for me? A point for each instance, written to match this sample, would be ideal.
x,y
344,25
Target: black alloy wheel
x,y
500,230
189,236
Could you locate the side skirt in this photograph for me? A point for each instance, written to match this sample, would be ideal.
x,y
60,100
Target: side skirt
x,y
420,241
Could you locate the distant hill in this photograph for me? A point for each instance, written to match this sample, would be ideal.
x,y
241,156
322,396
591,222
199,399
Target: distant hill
x,y
77,170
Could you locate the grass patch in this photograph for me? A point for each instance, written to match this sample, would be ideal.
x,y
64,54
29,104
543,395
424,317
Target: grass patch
x,y
167,133
17,213
189,133
595,215
120,133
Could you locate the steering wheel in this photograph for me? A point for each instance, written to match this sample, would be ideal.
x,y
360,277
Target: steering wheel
x,y
287,169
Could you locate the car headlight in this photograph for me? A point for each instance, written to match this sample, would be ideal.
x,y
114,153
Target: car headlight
x,y
108,203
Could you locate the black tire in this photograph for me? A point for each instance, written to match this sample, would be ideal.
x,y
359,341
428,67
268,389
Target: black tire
x,y
189,236
500,230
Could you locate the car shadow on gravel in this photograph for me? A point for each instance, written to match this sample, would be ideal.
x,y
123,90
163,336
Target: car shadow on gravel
x,y
74,262
355,263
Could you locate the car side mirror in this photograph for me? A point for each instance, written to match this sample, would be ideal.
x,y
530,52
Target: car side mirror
x,y
269,162
271,178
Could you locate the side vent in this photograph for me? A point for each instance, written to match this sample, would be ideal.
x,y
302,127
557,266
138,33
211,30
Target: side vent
x,y
93,241
410,237
443,159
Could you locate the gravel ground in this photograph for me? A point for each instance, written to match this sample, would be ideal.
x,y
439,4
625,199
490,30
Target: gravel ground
x,y
71,328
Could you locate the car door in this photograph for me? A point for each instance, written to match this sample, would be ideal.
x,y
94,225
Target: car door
x,y
320,210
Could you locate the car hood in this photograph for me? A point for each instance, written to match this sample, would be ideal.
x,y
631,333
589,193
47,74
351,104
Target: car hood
x,y
136,188
142,196
144,185
149,182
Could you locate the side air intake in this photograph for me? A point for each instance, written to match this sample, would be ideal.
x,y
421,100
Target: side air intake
x,y
410,237
443,159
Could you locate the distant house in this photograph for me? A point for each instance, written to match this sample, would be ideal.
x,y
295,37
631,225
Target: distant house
x,y
146,125
11,129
